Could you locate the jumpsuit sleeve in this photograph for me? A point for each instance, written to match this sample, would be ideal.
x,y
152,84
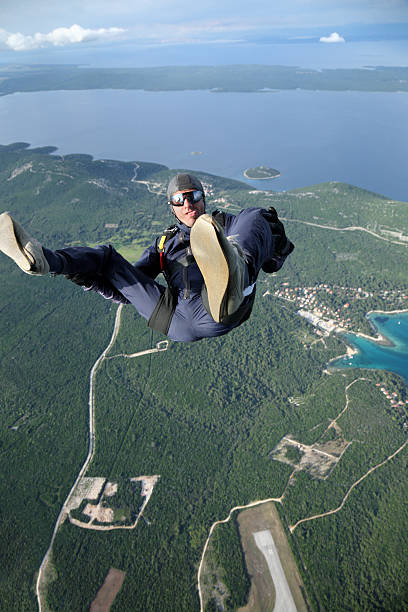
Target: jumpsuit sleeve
x,y
149,264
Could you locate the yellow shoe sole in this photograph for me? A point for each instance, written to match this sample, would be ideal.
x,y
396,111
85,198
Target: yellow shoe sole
x,y
10,245
212,262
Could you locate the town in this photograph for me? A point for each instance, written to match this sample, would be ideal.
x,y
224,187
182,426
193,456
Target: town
x,y
326,319
313,303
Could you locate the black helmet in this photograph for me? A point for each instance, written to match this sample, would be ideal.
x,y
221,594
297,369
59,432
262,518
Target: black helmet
x,y
183,182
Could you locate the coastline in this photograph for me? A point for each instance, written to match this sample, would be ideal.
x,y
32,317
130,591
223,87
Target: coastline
x,y
387,312
379,338
350,352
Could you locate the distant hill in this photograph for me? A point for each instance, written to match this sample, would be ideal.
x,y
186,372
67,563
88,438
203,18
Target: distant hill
x,y
240,77
209,418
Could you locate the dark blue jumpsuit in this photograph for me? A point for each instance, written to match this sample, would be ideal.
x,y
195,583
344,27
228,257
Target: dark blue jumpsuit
x,y
107,272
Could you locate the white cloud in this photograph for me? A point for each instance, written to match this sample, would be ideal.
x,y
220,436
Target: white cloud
x,y
60,37
148,16
333,38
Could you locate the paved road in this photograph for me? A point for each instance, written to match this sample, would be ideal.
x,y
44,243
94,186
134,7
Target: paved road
x,y
284,601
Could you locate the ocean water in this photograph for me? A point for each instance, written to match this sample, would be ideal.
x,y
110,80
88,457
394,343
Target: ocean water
x,y
373,355
310,137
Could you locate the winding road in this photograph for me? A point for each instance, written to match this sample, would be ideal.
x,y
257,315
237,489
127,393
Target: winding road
x,y
351,228
281,498
41,584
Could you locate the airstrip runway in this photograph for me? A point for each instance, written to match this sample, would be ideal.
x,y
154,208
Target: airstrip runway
x,y
284,601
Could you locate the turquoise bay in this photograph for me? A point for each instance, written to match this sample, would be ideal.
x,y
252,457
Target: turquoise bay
x,y
390,355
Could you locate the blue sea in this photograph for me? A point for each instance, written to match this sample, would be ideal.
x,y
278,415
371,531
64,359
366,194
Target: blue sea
x,y
373,355
309,136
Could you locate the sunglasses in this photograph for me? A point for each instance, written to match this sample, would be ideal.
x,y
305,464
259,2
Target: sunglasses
x,y
192,197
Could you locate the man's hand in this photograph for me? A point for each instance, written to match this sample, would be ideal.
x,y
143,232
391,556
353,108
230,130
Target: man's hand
x,y
283,245
80,279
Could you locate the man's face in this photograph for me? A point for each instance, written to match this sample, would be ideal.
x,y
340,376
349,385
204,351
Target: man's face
x,y
189,212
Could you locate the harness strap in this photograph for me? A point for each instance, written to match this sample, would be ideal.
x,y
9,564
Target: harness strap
x,y
168,233
219,215
161,250
162,315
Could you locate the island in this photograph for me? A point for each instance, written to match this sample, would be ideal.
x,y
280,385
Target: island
x,y
261,173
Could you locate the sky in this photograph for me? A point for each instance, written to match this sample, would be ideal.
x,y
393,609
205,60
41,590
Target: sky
x,y
41,29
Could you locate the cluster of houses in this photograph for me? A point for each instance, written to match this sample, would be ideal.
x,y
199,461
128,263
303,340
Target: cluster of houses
x,y
327,320
311,299
392,396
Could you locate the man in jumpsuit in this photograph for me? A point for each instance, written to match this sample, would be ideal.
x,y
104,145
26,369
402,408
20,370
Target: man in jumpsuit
x,y
210,263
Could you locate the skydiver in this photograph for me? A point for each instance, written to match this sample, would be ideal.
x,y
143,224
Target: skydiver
x,y
210,262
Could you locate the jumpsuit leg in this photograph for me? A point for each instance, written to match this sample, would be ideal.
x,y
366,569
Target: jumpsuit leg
x,y
261,236
260,240
108,271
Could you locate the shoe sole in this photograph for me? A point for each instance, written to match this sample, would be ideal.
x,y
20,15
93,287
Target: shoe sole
x,y
10,245
212,262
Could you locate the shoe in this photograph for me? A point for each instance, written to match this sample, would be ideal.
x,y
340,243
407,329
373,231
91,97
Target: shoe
x,y
222,265
25,251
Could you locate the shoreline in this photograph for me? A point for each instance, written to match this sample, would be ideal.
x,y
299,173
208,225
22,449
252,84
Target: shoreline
x,y
387,312
378,339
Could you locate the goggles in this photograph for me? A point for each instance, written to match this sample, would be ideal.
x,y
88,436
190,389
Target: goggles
x,y
192,197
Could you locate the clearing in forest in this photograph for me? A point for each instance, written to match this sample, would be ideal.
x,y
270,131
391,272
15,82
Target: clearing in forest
x,y
319,459
108,591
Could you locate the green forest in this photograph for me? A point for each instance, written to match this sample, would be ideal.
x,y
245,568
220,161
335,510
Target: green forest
x,y
204,416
